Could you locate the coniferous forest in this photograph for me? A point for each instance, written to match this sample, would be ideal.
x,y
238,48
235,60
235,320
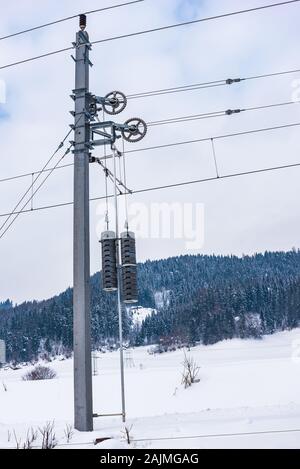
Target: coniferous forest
x,y
198,299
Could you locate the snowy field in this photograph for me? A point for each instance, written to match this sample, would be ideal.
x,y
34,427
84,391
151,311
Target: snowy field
x,y
248,397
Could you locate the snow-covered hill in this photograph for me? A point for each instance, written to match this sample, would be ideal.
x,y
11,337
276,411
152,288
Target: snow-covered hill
x,y
248,396
139,314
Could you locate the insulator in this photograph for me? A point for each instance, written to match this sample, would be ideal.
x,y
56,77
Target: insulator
x,y
109,261
82,22
128,251
129,284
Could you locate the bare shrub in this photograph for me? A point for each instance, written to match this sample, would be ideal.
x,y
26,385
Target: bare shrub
x,y
190,372
69,432
17,440
48,436
31,437
39,373
4,386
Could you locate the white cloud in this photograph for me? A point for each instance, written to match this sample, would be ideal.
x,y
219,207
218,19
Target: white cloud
x,y
242,215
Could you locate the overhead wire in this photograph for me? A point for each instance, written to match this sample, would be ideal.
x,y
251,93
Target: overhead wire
x,y
180,119
215,137
200,20
110,175
228,112
33,194
106,181
209,84
153,30
30,188
225,176
176,89
166,145
180,184
23,175
125,182
169,186
67,18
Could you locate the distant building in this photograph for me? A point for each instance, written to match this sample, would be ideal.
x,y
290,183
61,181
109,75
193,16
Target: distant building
x,y
2,352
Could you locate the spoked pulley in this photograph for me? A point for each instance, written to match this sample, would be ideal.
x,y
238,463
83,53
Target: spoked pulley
x,y
134,130
114,102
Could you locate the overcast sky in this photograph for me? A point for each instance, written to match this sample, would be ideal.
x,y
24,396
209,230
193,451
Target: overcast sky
x,y
242,215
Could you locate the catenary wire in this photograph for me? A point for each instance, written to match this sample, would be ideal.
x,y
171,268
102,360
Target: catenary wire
x,y
169,186
226,176
106,181
30,188
175,120
210,84
34,180
200,20
153,30
33,194
177,89
31,198
125,182
217,137
166,145
23,175
67,18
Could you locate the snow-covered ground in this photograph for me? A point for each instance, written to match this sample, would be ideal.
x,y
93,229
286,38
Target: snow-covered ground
x,y
248,397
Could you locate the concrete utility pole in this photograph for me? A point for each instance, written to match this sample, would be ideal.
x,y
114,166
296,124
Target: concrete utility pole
x,y
87,106
81,295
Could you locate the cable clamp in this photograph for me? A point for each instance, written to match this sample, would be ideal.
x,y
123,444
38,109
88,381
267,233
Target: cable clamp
x,y
230,81
229,112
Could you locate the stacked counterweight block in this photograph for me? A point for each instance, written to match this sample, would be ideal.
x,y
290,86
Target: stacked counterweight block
x,y
129,269
109,261
128,266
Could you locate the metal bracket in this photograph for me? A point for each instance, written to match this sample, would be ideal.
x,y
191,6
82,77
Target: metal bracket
x,y
88,60
108,415
80,90
109,138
